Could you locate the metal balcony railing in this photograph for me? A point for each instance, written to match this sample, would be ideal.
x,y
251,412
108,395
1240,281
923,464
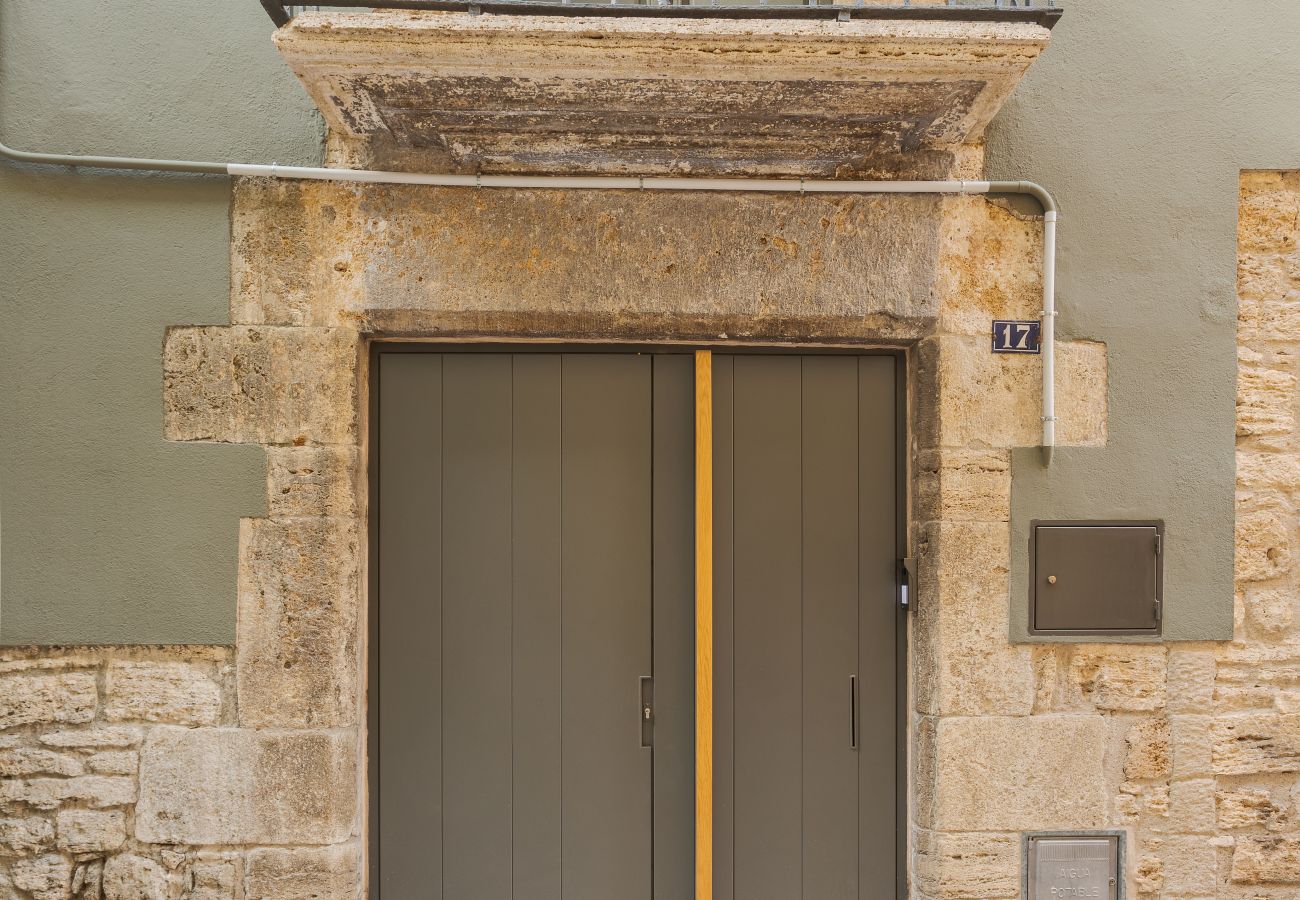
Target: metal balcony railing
x,y
1045,12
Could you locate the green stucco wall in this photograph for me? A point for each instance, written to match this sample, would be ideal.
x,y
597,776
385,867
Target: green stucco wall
x,y
1139,118
107,532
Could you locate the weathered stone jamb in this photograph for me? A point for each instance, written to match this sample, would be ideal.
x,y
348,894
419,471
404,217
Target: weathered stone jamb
x,y
292,375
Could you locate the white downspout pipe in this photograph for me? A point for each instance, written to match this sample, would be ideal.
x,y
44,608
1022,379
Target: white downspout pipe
x,y
1049,335
567,182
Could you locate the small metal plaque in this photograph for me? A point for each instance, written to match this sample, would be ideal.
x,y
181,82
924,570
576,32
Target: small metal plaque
x,y
1081,866
1014,336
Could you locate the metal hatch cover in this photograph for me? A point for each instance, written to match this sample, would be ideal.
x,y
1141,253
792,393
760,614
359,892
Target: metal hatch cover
x,y
1096,577
1085,865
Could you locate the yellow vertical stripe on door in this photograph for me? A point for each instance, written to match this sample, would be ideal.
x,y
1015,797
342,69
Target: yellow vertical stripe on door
x,y
703,625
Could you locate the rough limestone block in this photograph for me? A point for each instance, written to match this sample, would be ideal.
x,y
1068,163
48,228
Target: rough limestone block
x,y
1191,680
980,679
25,836
1262,282
299,596
1120,678
1257,744
963,486
1266,860
313,482
1256,470
87,831
98,791
35,761
1256,677
175,692
1279,319
1192,807
91,738
967,866
291,256
44,877
444,261
1191,745
88,880
115,762
1247,808
1149,875
1265,401
1136,801
1263,541
1269,214
1148,750
973,669
1018,773
995,400
214,880
28,699
1270,611
925,755
260,385
329,873
1190,866
129,877
235,786
990,266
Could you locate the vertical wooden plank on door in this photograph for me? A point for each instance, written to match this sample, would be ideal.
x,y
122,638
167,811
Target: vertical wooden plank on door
x,y
830,626
535,632
606,572
704,625
768,644
723,793
674,628
476,642
878,626
408,633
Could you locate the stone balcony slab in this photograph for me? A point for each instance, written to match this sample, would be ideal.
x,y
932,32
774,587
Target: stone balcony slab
x,y
655,94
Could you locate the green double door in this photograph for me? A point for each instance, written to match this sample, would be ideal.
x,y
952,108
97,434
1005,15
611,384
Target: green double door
x,y
532,619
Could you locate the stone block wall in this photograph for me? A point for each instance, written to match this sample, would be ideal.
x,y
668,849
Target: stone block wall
x,y
1192,749
124,775
237,773
215,773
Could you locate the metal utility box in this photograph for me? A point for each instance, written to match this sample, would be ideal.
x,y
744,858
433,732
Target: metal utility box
x,y
1102,578
1082,865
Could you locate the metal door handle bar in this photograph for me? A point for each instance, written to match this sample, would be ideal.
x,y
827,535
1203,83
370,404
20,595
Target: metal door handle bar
x,y
853,712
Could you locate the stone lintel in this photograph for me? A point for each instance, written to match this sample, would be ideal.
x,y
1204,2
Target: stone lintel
x,y
653,94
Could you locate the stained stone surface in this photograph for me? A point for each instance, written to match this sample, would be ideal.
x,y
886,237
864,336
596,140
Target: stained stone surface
x,y
1018,773
643,95
240,786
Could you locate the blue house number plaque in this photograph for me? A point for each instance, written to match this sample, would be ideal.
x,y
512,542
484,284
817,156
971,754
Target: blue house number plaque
x,y
1016,337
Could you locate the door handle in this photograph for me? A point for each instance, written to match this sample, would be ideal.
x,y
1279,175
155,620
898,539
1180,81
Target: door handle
x,y
853,712
646,709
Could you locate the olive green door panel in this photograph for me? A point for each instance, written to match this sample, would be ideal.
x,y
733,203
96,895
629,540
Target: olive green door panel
x,y
805,627
519,606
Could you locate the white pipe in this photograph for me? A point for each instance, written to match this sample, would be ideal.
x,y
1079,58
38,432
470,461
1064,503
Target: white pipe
x,y
612,182
1049,335
563,182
